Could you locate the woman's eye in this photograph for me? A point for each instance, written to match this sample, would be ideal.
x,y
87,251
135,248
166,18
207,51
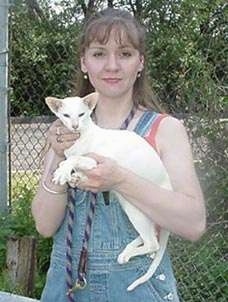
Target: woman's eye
x,y
98,54
126,54
66,115
81,114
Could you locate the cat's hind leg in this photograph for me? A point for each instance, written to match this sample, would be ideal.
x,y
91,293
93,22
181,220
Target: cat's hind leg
x,y
145,248
147,232
132,245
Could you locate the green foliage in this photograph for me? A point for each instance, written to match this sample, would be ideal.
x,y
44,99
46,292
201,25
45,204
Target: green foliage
x,y
186,61
19,223
186,45
43,58
205,264
186,52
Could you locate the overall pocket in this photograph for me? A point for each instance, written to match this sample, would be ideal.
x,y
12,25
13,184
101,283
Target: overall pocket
x,y
105,234
120,278
163,283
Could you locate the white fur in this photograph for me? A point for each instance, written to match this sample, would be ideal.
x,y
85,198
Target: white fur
x,y
130,151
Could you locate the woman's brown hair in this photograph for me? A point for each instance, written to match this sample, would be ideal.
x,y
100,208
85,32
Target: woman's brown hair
x,y
98,28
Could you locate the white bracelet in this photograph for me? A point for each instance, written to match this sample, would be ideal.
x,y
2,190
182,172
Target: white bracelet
x,y
51,191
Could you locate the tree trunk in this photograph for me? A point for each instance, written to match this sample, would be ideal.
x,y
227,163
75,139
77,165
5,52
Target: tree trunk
x,y
21,262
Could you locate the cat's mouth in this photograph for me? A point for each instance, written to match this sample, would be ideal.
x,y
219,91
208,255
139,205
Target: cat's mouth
x,y
76,131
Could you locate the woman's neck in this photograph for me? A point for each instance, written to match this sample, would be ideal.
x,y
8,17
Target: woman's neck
x,y
111,113
112,117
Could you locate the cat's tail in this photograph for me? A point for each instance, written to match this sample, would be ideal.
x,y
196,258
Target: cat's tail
x,y
163,240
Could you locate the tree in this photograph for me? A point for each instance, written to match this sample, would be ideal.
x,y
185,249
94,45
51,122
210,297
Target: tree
x,y
185,50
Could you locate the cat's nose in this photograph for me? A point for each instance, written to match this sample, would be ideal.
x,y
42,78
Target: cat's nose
x,y
75,126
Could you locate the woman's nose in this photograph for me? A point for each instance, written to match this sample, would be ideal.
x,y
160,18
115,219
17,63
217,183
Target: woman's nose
x,y
112,62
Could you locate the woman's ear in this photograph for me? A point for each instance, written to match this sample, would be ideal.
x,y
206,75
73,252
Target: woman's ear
x,y
83,66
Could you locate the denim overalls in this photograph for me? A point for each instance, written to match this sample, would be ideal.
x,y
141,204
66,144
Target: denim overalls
x,y
111,232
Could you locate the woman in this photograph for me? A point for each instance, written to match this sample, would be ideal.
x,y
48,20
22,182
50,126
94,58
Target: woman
x,y
112,61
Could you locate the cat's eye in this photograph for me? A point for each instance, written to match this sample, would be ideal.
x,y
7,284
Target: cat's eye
x,y
66,115
81,114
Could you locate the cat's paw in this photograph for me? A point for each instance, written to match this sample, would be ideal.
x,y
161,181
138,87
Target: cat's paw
x,y
152,255
60,177
62,174
76,177
123,258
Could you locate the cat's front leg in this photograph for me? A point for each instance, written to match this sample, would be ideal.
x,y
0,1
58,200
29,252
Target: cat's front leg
x,y
63,173
70,170
84,162
81,163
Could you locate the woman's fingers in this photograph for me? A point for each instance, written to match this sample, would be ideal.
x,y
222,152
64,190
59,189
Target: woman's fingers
x,y
60,137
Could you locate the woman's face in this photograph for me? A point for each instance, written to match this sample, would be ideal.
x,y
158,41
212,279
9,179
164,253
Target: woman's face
x,y
112,67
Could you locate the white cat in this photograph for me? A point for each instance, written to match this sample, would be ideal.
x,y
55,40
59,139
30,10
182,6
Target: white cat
x,y
130,151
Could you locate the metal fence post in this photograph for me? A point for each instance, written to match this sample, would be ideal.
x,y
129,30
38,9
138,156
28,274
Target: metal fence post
x,y
4,10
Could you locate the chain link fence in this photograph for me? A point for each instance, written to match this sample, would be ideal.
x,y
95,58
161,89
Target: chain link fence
x,y
42,64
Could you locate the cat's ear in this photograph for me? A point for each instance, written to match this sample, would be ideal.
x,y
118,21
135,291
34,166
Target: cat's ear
x,y
91,100
53,103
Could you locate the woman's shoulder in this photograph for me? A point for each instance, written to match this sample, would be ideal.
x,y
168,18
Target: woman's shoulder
x,y
162,121
171,134
171,124
166,121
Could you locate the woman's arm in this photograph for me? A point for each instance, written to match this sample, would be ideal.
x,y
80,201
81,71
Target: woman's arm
x,y
48,208
182,210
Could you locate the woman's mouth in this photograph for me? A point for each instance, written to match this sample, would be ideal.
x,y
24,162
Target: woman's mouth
x,y
112,80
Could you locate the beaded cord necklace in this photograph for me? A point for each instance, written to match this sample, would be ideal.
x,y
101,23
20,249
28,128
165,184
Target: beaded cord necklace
x,y
82,266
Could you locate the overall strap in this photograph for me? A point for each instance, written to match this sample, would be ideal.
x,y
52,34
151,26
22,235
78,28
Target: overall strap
x,y
150,136
148,126
145,122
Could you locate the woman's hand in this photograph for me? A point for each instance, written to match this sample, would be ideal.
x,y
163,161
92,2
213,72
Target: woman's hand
x,y
106,176
60,138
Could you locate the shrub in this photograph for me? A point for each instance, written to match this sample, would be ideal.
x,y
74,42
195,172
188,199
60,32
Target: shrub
x,y
19,222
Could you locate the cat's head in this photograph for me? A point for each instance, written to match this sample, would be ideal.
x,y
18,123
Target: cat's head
x,y
74,112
